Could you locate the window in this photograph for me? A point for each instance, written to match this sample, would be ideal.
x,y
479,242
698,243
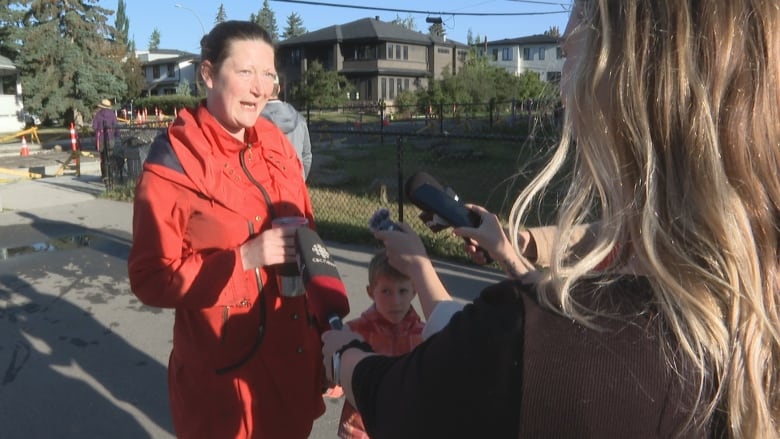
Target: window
x,y
541,54
392,88
295,56
400,89
155,71
554,77
558,53
406,52
406,84
443,50
384,88
506,54
171,70
527,55
397,51
495,54
389,51
8,85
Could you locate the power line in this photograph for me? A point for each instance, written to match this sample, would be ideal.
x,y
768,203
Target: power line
x,y
412,11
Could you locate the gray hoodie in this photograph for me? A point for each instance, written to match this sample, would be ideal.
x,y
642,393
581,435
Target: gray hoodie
x,y
293,124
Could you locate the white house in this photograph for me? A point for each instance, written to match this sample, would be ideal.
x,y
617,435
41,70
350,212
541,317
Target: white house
x,y
536,53
165,69
11,117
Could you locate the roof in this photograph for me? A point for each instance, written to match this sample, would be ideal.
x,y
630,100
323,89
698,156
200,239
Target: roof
x,y
6,64
522,41
366,29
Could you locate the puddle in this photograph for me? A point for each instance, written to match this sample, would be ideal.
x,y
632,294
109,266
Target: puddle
x,y
56,244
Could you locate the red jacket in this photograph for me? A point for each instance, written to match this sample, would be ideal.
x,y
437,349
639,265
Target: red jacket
x,y
194,206
385,338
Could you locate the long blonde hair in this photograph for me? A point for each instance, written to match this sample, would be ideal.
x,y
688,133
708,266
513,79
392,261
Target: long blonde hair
x,y
673,119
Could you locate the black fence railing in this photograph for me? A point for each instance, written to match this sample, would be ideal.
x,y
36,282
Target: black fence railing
x,y
361,160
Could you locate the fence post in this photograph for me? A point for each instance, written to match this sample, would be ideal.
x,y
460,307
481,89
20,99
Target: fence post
x,y
382,122
399,166
441,117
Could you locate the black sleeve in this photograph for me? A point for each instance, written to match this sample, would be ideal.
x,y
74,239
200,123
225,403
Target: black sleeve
x,y
463,382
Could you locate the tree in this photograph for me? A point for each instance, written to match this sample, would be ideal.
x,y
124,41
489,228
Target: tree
x,y
184,89
11,27
70,60
294,26
321,88
407,22
154,39
267,19
122,25
436,29
553,31
221,15
134,76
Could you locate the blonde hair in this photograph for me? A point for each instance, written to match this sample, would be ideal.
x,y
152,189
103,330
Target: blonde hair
x,y
379,266
673,119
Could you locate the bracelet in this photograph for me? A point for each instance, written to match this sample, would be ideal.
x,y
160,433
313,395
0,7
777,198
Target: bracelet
x,y
336,360
358,344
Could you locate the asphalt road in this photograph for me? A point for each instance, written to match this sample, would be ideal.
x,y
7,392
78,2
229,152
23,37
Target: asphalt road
x,y
80,356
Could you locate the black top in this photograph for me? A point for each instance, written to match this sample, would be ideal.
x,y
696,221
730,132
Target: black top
x,y
505,368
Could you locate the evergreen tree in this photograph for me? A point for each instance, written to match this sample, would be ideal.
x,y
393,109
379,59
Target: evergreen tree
x,y
122,24
154,39
11,26
267,19
70,60
294,26
221,17
321,88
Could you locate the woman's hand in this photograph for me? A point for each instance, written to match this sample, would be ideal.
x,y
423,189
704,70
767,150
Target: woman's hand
x,y
273,246
405,250
491,237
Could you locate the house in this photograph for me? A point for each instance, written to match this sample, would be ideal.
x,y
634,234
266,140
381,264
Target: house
x,y
378,58
11,110
164,70
541,54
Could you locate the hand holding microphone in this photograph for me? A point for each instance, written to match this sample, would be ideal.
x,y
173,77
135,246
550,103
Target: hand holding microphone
x,y
441,208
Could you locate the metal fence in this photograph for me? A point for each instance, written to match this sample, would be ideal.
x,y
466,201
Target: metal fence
x,y
363,156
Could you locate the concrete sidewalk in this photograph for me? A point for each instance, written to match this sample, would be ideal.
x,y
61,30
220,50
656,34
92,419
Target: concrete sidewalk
x,y
80,356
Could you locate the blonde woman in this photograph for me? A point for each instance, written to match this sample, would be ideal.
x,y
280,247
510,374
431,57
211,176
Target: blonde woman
x,y
672,111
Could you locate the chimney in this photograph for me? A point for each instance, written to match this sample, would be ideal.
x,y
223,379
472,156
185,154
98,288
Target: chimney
x,y
376,17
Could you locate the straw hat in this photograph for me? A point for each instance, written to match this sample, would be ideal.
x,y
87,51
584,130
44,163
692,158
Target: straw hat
x,y
105,103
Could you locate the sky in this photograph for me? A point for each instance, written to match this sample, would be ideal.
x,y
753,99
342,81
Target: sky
x,y
181,27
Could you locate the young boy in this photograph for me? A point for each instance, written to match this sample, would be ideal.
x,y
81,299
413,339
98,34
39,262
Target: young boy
x,y
391,326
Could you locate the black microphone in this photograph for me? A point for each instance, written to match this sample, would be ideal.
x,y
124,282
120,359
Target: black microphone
x,y
435,201
326,292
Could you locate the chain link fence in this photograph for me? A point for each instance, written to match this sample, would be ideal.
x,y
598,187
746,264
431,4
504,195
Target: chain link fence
x,y
363,156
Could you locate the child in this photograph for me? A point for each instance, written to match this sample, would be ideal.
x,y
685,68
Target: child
x,y
391,326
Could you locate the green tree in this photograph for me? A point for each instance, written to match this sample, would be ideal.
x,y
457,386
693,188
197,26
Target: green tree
x,y
122,25
294,26
11,27
267,19
221,15
70,60
154,39
321,88
184,89
134,76
407,22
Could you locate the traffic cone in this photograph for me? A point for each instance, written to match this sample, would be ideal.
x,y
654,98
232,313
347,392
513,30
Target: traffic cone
x,y
25,151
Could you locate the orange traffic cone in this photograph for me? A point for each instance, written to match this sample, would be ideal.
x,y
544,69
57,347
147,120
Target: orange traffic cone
x,y
25,151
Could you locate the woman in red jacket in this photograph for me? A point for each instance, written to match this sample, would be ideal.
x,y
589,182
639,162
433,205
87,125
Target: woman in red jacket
x,y
246,362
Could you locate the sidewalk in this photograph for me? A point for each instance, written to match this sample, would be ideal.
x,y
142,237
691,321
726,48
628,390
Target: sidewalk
x,y
43,161
77,348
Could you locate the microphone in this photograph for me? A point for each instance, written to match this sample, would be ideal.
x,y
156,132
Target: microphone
x,y
326,293
441,208
432,198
